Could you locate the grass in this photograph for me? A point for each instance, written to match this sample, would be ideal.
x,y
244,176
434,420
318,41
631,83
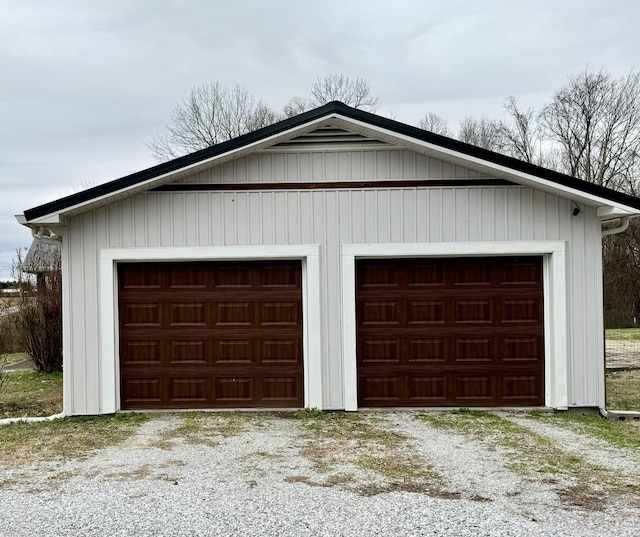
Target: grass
x,y
618,334
623,390
29,393
204,427
578,482
12,358
530,453
338,440
23,443
622,434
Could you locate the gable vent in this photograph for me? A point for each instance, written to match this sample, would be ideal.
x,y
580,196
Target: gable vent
x,y
329,138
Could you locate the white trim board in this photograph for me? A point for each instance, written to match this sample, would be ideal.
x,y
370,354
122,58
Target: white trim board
x,y
555,302
108,304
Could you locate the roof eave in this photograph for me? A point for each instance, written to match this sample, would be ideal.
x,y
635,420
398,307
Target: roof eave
x,y
607,201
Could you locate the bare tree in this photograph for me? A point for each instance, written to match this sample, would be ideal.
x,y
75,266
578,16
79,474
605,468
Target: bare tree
x,y
521,137
355,92
621,274
295,106
434,123
482,132
211,114
595,121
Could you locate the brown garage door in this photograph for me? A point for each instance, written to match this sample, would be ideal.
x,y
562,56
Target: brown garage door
x,y
450,332
198,335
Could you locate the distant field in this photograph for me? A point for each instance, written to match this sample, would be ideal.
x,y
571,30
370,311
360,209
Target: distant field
x,y
619,334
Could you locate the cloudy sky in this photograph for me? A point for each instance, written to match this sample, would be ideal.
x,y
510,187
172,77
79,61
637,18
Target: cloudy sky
x,y
84,84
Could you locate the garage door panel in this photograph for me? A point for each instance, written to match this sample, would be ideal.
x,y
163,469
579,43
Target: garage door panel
x,y
486,348
280,313
188,390
426,349
187,313
146,390
520,274
376,350
280,276
473,311
428,390
191,351
522,310
380,312
235,389
187,277
233,313
476,387
382,391
479,349
421,275
281,351
143,352
381,275
141,314
521,388
522,348
426,311
471,274
198,335
140,279
233,351
234,276
281,389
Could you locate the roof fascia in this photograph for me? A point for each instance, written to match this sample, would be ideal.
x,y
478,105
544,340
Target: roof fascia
x,y
520,177
340,115
189,169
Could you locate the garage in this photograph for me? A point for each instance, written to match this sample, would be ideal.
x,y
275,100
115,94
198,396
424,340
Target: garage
x,y
450,332
210,334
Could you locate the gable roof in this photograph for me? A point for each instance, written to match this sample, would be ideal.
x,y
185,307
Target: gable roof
x,y
614,203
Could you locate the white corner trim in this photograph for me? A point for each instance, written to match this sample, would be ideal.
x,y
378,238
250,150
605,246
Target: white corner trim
x,y
108,301
555,302
349,331
555,331
108,336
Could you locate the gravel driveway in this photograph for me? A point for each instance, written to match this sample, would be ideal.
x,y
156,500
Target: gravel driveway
x,y
375,474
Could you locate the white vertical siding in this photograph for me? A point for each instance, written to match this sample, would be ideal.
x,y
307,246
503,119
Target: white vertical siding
x,y
331,218
329,166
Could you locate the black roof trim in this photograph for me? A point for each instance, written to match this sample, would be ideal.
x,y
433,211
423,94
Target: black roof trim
x,y
317,113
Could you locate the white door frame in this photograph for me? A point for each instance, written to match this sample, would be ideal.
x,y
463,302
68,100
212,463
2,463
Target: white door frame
x,y
554,289
108,306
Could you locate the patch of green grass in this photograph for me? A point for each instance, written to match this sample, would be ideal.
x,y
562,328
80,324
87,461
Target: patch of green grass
x,y
311,414
579,482
366,442
30,394
23,443
617,334
397,468
530,453
623,390
349,426
203,427
623,434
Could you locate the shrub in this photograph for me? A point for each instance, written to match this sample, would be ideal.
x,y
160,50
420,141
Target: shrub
x,y
38,320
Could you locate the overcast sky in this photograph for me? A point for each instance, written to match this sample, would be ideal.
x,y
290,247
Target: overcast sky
x,y
84,84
